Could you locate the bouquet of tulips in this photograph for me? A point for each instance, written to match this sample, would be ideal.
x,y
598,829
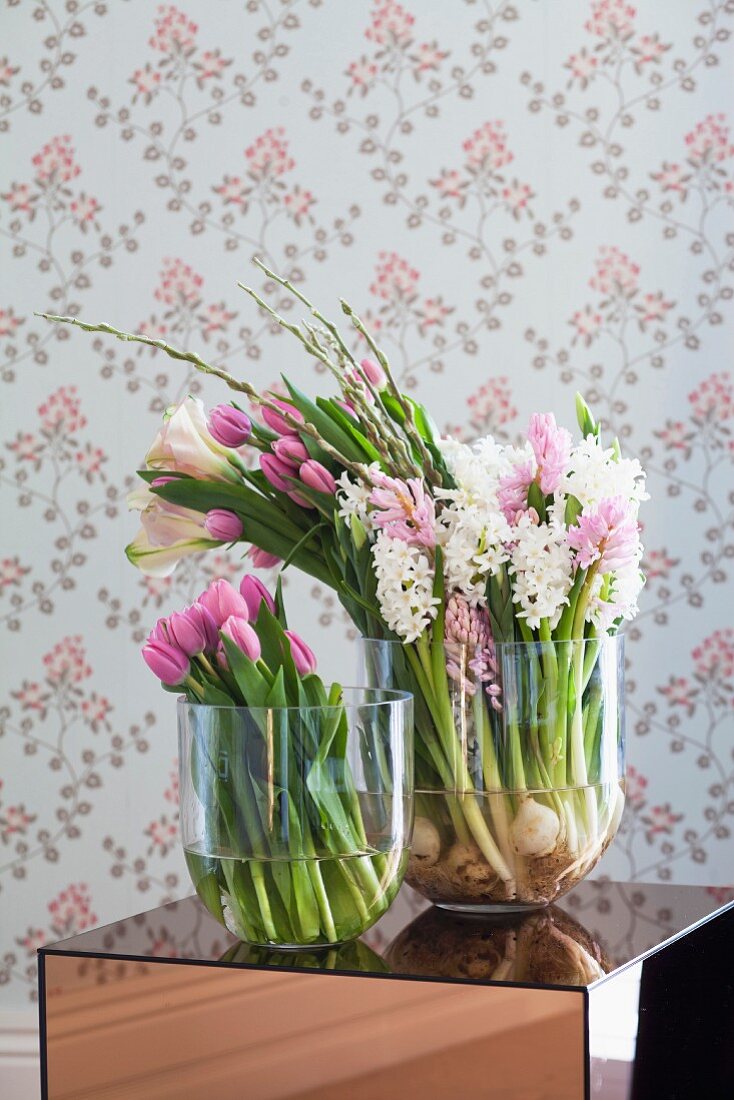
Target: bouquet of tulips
x,y
489,580
279,840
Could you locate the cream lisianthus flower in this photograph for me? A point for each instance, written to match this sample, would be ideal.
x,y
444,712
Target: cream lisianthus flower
x,y
168,533
185,445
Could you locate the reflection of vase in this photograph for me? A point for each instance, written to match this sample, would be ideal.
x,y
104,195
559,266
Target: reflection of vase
x,y
546,947
296,821
519,767
355,956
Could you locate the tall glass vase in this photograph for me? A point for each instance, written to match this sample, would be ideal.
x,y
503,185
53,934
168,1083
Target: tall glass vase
x,y
296,821
519,765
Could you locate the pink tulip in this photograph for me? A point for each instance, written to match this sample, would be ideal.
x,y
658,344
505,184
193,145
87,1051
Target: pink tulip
x,y
222,600
166,661
278,423
159,633
299,500
223,525
303,656
165,480
254,594
243,635
290,449
276,471
374,372
229,426
193,630
261,559
317,477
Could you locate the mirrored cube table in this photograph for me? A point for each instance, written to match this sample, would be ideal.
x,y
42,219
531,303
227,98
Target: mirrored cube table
x,y
620,991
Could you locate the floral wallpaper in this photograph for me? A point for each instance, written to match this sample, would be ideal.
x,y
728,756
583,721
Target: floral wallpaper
x,y
521,205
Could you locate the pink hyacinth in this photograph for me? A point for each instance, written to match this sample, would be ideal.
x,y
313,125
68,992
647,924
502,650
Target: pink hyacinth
x,y
470,646
404,510
243,635
222,600
303,655
512,493
254,593
607,534
552,449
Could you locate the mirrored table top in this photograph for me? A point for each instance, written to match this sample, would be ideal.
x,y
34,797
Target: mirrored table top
x,y
598,929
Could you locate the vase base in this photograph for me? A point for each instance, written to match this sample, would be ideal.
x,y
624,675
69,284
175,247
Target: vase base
x,y
491,909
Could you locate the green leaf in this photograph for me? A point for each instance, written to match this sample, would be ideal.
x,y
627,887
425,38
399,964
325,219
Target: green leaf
x,y
328,404
250,681
573,511
536,500
586,421
325,425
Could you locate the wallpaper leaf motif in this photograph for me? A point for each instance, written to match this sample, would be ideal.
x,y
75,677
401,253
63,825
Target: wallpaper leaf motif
x,y
511,236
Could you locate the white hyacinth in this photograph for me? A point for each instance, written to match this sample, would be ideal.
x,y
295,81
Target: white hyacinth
x,y
542,570
353,498
404,586
595,474
473,542
620,601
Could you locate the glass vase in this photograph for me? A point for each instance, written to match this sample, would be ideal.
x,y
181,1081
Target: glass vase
x,y
519,765
296,822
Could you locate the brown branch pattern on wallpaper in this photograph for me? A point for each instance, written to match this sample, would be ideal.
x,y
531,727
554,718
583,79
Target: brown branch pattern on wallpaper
x,y
398,145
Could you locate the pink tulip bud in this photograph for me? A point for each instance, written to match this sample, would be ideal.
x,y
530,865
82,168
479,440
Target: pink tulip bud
x,y
261,559
158,481
229,426
166,661
374,372
223,525
243,635
347,406
303,656
222,600
276,471
254,594
300,501
276,422
290,449
316,476
159,633
193,630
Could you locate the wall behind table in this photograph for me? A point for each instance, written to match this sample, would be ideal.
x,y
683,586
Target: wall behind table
x,y
522,199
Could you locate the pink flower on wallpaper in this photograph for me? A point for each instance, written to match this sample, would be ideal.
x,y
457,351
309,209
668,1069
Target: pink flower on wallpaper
x,y
298,203
71,911
587,324
653,307
163,835
486,150
61,412
676,436
611,19
66,663
14,821
722,894
660,819
433,312
672,178
648,50
215,318
174,32
616,275
516,196
491,406
95,709
9,323
395,279
7,71
391,25
12,572
21,199
636,786
32,697
84,210
210,65
268,156
179,285
680,692
714,657
55,162
89,462
34,939
233,191
362,74
171,793
427,57
27,448
712,400
658,563
156,589
219,566
450,185
582,66
709,143
146,82
153,327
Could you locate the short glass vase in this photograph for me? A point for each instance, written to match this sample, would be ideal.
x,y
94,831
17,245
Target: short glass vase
x,y
296,822
519,768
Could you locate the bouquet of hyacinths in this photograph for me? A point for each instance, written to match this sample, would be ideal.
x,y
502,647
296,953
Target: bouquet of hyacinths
x,y
488,580
295,798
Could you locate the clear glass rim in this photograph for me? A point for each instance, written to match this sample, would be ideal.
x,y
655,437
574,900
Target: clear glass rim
x,y
386,698
605,639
